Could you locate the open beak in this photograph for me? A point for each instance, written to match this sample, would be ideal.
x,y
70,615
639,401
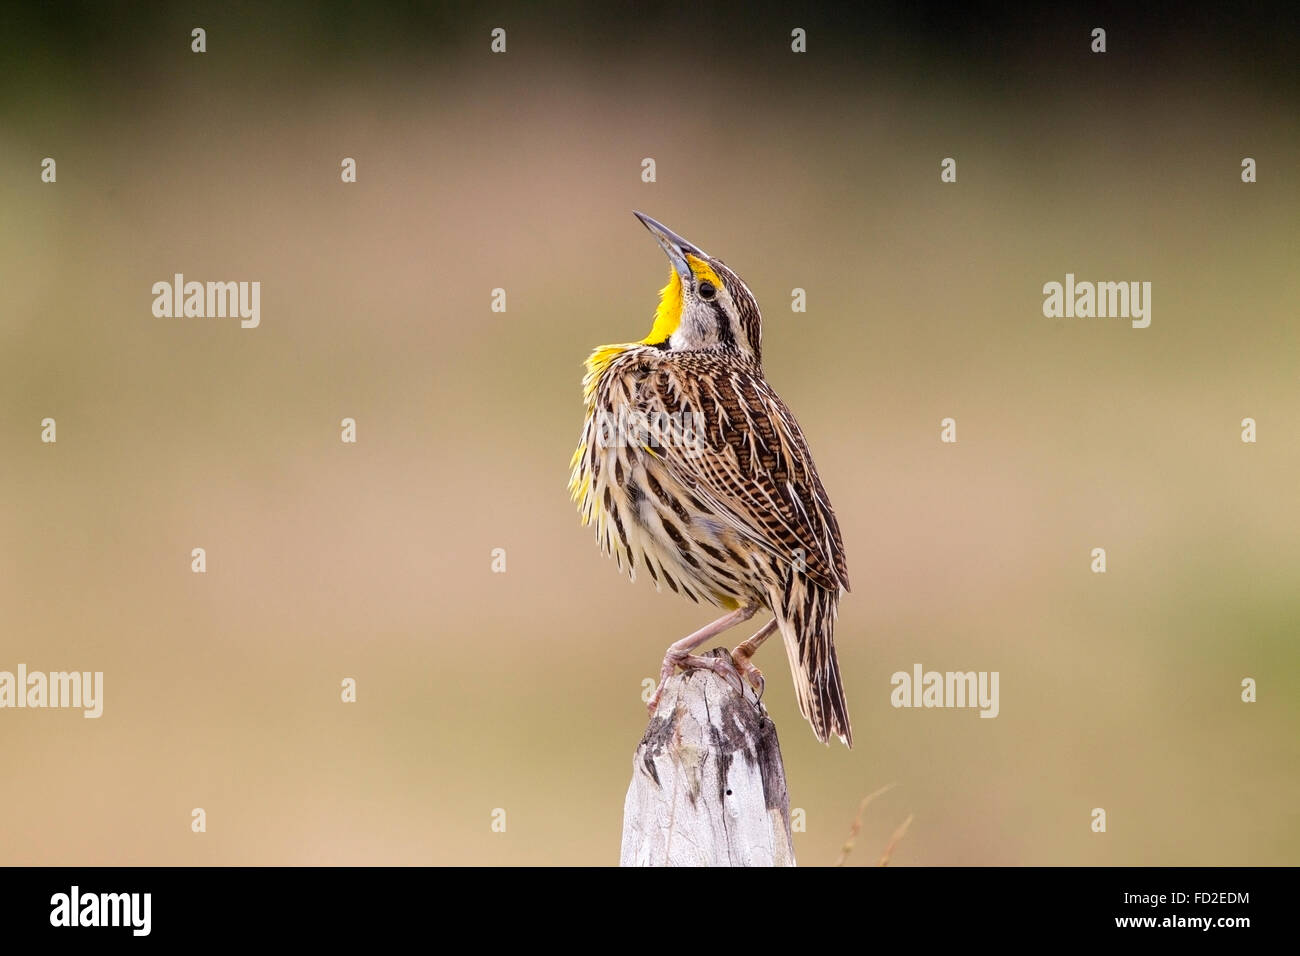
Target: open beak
x,y
675,246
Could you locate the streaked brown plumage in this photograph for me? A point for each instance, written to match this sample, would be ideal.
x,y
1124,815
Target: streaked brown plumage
x,y
695,471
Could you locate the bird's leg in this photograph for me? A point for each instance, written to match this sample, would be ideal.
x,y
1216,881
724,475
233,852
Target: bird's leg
x,y
679,654
745,650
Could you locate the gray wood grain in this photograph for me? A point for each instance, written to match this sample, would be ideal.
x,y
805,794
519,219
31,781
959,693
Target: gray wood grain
x,y
708,786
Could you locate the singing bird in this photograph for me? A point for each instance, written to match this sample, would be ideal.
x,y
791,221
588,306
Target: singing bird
x,y
692,468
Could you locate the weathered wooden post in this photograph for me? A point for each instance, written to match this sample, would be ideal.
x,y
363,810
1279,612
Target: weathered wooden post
x,y
708,787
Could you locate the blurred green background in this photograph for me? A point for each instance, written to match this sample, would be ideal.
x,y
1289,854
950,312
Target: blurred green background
x,y
522,690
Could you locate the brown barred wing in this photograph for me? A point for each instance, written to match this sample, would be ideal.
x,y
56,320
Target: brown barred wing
x,y
751,465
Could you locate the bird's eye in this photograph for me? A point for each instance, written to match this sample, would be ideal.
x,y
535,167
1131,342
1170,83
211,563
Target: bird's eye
x,y
707,290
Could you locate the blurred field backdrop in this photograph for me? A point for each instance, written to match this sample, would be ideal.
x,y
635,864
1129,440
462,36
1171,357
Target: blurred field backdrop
x,y
521,690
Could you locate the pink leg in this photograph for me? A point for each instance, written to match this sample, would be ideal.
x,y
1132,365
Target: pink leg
x,y
744,651
679,654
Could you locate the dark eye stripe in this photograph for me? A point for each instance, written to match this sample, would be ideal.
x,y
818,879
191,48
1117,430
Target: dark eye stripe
x,y
725,336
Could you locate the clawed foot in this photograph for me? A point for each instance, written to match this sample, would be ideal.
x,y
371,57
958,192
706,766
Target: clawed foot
x,y
742,658
694,662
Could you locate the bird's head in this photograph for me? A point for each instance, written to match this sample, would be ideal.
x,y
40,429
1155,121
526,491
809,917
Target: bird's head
x,y
704,305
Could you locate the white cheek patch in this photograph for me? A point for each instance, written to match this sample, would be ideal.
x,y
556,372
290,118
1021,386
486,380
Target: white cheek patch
x,y
695,329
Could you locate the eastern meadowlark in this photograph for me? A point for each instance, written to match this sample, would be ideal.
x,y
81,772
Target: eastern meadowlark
x,y
691,467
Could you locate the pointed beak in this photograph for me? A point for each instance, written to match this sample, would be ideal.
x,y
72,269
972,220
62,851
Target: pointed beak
x,y
675,246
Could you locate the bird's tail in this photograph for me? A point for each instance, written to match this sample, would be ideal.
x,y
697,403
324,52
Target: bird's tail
x,y
806,614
